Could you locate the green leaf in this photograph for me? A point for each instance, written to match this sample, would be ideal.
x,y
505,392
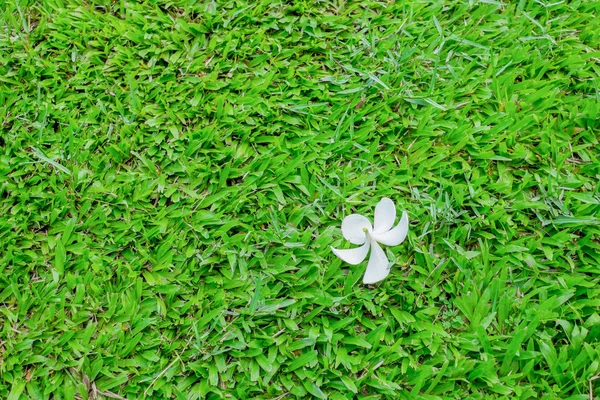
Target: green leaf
x,y
349,383
60,255
313,389
304,359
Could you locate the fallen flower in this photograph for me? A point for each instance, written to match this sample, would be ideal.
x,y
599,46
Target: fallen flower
x,y
358,230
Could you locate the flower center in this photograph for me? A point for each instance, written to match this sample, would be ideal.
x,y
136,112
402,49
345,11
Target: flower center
x,y
366,231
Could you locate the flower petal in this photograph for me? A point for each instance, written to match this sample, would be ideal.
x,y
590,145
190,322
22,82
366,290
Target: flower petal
x,y
385,215
352,228
377,269
395,236
353,256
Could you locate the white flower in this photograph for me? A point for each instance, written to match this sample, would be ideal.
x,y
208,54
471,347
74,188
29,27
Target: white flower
x,y
358,230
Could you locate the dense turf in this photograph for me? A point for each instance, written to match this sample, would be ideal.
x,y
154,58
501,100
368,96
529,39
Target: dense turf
x,y
172,175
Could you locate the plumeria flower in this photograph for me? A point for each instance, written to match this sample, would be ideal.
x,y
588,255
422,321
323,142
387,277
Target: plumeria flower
x,y
358,230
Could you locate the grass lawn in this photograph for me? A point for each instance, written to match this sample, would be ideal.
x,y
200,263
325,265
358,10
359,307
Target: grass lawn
x,y
174,172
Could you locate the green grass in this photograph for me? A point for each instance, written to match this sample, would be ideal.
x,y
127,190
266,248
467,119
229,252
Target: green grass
x,y
173,173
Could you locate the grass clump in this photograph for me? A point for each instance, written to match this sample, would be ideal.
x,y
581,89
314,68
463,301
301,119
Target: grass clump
x,y
173,174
